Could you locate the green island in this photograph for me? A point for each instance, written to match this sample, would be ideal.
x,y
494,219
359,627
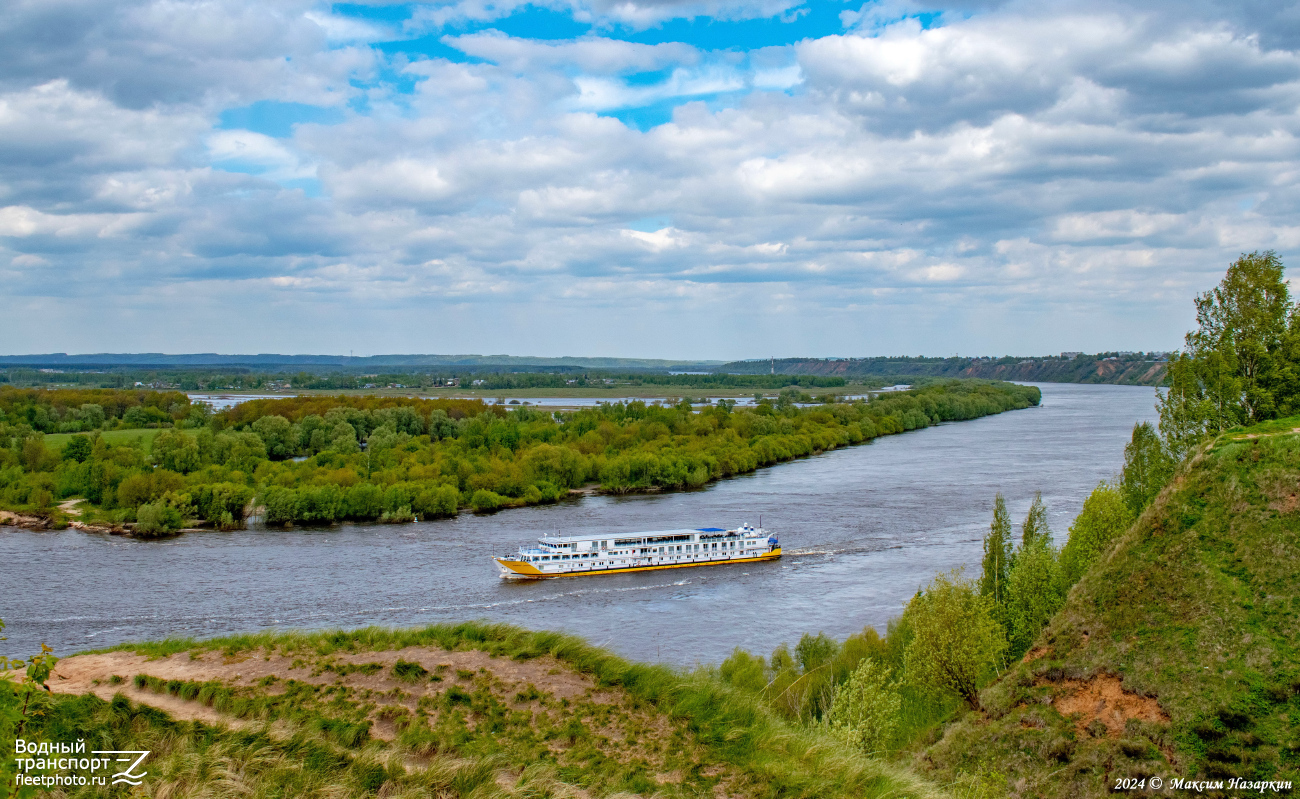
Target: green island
x,y
321,459
1155,652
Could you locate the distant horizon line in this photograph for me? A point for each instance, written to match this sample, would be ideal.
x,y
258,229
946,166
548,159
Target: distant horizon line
x,y
471,359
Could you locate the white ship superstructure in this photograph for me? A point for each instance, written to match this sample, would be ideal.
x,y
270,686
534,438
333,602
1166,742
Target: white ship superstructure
x,y
606,553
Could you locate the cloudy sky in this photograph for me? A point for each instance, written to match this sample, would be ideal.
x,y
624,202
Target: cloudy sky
x,y
652,178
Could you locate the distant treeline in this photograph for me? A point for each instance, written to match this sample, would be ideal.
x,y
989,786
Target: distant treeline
x,y
321,459
1124,368
128,377
243,380
323,363
615,381
83,410
1129,368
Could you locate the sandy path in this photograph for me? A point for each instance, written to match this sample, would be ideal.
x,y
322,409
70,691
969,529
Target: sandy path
x,y
563,693
69,506
83,674
89,674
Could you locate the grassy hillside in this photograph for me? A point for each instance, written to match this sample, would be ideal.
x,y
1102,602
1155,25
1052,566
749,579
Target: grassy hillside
x,y
1176,656
449,711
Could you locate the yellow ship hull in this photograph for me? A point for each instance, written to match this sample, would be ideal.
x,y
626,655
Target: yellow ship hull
x,y
521,570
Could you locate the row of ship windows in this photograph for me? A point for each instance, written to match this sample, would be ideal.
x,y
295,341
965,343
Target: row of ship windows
x,y
691,548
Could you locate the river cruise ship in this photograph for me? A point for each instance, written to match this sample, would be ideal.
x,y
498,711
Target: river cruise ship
x,y
558,556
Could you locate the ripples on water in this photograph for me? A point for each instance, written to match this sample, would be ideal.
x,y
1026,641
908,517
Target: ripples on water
x,y
862,528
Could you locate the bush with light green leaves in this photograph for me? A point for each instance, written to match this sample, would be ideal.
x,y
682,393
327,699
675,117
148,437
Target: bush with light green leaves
x,y
865,710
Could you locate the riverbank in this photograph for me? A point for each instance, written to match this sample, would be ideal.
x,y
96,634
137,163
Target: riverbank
x,y
561,399
317,460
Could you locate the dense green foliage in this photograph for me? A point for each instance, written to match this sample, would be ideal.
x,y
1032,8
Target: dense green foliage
x,y
1030,589
317,460
934,657
866,708
1027,585
955,640
1033,593
84,410
1242,363
998,555
1148,466
1105,515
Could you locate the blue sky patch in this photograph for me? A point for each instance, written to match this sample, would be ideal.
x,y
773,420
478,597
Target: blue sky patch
x,y
241,166
309,186
646,117
532,22
648,78
276,119
650,224
430,46
821,18
392,14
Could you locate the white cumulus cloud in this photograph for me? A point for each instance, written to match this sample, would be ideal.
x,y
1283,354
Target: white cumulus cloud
x,y
1074,171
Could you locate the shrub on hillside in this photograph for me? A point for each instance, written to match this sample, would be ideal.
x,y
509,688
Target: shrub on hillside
x,y
744,671
1105,515
955,640
1148,466
866,708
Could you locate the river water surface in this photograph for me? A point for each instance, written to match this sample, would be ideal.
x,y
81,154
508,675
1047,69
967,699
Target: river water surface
x,y
862,529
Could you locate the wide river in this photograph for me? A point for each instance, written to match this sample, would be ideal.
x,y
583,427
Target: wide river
x,y
862,529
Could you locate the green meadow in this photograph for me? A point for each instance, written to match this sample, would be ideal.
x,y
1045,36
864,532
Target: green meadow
x,y
115,437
